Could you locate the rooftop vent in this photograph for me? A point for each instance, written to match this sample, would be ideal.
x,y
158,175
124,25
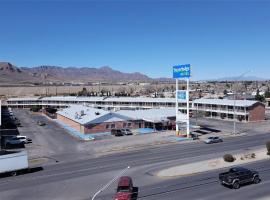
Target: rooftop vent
x,y
82,112
97,113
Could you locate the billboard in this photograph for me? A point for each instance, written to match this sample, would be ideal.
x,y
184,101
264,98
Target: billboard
x,y
181,71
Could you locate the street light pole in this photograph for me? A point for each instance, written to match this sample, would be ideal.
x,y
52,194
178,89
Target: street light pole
x,y
234,124
110,182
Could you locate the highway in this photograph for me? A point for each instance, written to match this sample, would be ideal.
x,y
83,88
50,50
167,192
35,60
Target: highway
x,y
78,180
206,186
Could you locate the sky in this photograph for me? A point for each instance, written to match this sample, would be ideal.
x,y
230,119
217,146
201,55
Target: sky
x,y
218,38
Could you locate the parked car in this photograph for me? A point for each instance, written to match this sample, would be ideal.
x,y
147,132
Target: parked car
x,y
14,141
117,132
237,176
126,131
17,139
211,140
124,189
41,123
194,136
24,139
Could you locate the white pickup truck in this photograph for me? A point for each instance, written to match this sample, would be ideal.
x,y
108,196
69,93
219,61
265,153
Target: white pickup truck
x,y
13,162
17,139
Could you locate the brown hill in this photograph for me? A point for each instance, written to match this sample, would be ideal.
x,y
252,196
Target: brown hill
x,y
42,74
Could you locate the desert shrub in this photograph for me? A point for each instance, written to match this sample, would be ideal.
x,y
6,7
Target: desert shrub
x,y
228,158
253,155
268,147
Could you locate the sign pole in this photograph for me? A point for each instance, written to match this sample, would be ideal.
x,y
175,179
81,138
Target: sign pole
x,y
187,100
176,108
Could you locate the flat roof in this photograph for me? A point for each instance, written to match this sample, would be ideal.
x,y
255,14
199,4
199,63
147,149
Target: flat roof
x,y
24,99
242,103
151,115
88,115
82,114
226,102
105,99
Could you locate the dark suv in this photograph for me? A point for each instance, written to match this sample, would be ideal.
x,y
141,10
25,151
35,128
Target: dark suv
x,y
117,132
237,176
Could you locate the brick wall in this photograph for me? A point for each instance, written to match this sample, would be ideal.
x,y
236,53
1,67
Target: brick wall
x,y
97,128
101,128
257,112
70,123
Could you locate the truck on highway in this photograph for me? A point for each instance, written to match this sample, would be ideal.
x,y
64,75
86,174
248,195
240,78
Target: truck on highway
x,y
237,176
13,162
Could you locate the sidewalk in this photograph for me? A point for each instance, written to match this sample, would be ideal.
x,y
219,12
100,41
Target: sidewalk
x,y
212,164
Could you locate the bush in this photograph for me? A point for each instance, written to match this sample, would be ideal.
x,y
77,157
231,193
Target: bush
x,y
268,147
228,158
35,108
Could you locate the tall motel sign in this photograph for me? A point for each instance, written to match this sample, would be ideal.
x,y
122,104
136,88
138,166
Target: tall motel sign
x,y
182,72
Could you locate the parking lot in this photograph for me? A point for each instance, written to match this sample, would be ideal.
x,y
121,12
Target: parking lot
x,y
48,141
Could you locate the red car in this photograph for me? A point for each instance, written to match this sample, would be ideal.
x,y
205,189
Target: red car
x,y
124,189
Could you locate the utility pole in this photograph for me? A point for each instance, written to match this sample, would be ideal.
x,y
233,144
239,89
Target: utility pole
x,y
234,102
187,97
176,106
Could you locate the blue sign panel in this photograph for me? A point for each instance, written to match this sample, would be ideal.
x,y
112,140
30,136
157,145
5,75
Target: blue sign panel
x,y
182,94
181,71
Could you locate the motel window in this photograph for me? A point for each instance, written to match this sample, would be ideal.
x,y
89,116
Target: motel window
x,y
129,124
124,125
112,125
107,126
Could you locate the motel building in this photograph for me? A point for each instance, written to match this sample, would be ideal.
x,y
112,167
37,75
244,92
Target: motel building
x,y
223,109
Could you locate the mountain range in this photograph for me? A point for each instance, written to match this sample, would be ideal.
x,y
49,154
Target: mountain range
x,y
13,75
10,73
243,78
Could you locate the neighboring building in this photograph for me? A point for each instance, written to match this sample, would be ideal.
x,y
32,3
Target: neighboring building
x,y
267,100
109,102
246,110
87,120
240,110
0,114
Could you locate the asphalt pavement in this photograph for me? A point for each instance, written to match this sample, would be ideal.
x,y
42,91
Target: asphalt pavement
x,y
50,141
206,186
80,180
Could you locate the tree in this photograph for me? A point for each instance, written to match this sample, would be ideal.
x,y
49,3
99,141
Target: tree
x,y
225,92
83,92
259,97
267,93
35,108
